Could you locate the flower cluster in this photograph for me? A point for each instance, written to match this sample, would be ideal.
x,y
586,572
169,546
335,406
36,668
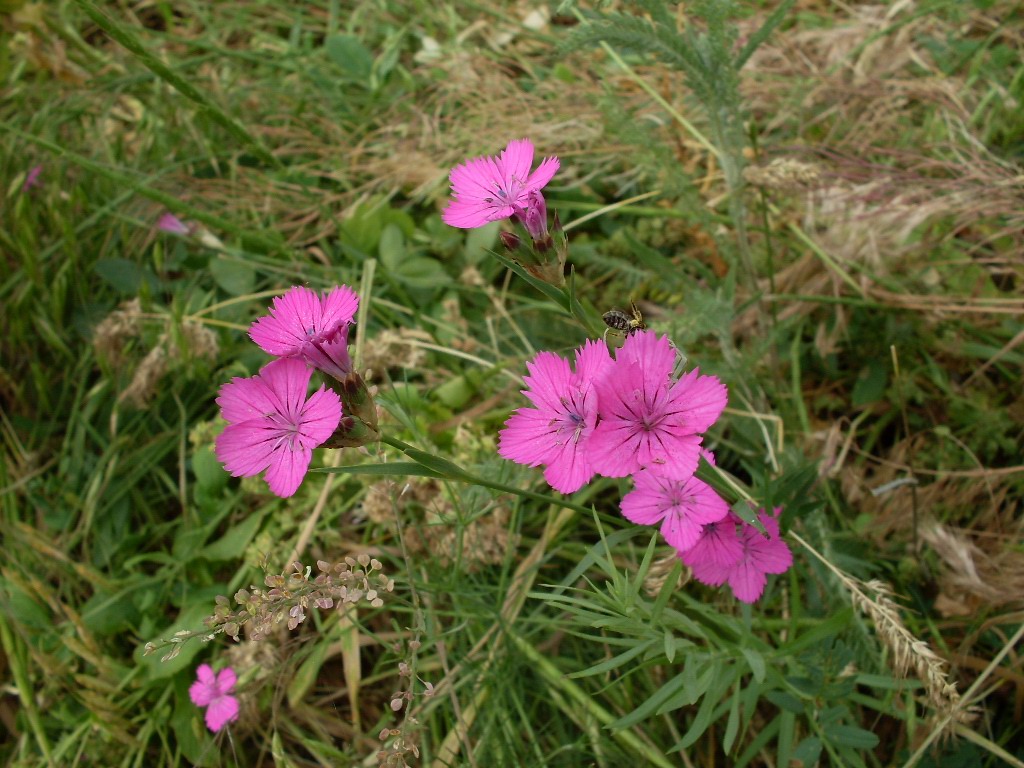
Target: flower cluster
x,y
632,416
272,426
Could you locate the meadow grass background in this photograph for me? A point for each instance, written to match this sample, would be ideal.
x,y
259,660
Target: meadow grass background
x,y
835,231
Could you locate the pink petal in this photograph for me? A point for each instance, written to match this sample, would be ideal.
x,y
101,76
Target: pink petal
x,y
226,680
171,224
654,355
320,417
715,553
288,378
515,161
701,399
549,378
568,469
526,437
222,710
544,173
469,214
339,307
204,688
747,581
246,399
613,448
287,468
592,361
246,449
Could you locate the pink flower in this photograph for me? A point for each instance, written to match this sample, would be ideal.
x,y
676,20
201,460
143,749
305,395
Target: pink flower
x,y
556,431
214,692
487,189
272,427
648,420
303,324
32,178
172,225
682,507
733,552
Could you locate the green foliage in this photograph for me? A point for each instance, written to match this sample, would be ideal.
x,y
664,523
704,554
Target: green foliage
x,y
308,144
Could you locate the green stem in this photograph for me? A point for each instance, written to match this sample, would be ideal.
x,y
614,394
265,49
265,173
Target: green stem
x,y
25,691
458,474
585,701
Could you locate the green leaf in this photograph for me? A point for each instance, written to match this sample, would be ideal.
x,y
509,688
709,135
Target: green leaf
x,y
555,294
748,514
851,736
829,627
210,475
443,466
871,383
348,53
807,751
756,662
786,701
391,248
615,662
234,277
306,675
481,240
421,272
232,544
732,725
705,714
651,705
126,276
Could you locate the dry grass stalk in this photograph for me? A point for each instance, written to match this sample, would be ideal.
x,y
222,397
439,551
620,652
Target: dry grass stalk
x,y
908,652
874,599
659,572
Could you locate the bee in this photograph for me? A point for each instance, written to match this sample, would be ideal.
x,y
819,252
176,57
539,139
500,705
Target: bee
x,y
618,320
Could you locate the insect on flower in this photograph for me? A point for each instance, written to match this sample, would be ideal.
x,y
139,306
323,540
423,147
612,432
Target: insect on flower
x,y
618,320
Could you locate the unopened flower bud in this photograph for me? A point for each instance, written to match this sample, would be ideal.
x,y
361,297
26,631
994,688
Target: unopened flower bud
x,y
510,240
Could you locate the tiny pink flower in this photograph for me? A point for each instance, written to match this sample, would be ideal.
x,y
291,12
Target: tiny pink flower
x,y
213,691
555,432
738,554
171,224
32,178
486,189
682,507
302,324
647,420
272,427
